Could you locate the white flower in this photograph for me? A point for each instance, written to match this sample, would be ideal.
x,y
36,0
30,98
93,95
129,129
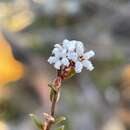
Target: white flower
x,y
57,64
58,46
72,56
69,45
65,61
52,59
88,65
78,67
89,54
71,51
84,60
79,48
55,50
72,46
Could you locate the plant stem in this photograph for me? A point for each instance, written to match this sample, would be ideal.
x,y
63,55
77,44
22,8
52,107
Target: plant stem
x,y
49,123
54,105
57,84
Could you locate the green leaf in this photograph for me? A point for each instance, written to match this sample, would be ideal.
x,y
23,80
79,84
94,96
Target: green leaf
x,y
37,122
61,127
53,92
60,119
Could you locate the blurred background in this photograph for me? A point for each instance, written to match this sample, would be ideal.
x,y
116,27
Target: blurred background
x,y
98,100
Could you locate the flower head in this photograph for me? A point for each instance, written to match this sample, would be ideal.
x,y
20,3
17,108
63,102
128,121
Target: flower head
x,y
70,54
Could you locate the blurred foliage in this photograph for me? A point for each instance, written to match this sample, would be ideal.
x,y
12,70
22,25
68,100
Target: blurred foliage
x,y
52,22
105,69
42,49
9,111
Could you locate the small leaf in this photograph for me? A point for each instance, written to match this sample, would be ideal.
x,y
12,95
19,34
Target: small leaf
x,y
52,87
60,119
61,127
53,92
70,74
37,122
52,95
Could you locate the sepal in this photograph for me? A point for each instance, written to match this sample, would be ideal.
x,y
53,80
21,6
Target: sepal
x,y
37,121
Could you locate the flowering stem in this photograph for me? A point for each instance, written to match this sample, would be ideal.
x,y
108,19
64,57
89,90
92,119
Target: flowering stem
x,y
50,121
68,59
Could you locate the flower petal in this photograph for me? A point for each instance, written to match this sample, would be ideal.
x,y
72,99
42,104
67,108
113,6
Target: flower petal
x,y
78,67
88,65
58,64
72,56
52,59
58,55
89,54
66,43
79,48
58,46
63,53
55,50
72,46
65,61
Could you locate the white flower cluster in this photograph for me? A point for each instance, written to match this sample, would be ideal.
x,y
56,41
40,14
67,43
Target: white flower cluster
x,y
71,51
